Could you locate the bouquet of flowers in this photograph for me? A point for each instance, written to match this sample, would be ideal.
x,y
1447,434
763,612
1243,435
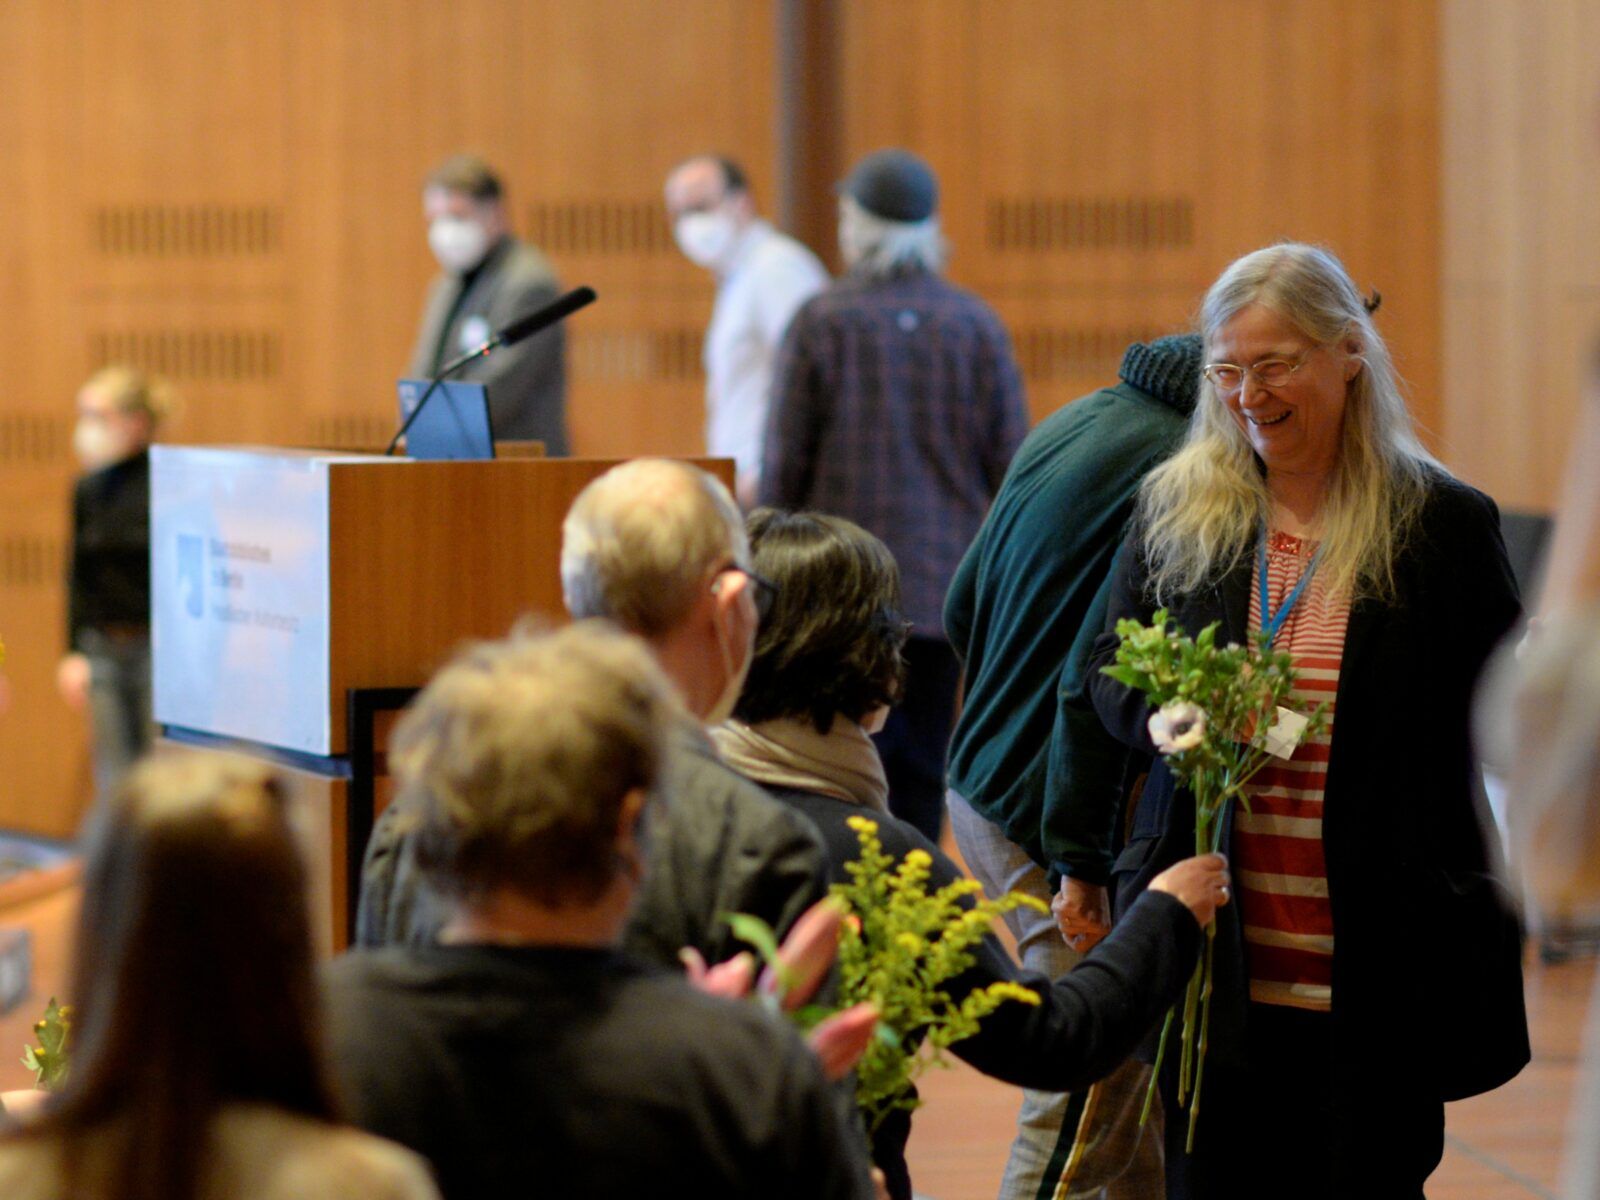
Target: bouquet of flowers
x,y
899,947
1220,717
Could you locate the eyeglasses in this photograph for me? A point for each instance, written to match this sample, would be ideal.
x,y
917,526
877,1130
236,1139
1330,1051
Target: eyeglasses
x,y
1228,378
764,593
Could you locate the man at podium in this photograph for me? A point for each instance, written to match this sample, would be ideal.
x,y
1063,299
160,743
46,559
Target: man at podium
x,y
490,278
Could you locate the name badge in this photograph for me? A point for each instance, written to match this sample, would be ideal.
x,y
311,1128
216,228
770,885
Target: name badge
x,y
1285,734
474,333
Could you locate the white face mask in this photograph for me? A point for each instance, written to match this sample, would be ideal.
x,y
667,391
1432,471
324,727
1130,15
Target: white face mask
x,y
705,237
96,445
459,243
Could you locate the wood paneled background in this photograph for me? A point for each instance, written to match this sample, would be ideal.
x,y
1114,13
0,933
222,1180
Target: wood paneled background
x,y
1521,261
228,193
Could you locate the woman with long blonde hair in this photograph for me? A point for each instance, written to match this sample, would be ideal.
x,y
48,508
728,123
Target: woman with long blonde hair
x,y
1370,969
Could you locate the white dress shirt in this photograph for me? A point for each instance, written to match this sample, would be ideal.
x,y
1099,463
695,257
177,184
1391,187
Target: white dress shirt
x,y
768,276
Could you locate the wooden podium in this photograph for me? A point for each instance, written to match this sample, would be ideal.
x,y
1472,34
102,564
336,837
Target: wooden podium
x,y
299,598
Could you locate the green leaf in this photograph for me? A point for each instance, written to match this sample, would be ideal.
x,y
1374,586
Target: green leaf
x,y
755,932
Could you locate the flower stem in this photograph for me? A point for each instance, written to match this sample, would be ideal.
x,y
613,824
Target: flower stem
x,y
1191,1009
1155,1074
1205,1034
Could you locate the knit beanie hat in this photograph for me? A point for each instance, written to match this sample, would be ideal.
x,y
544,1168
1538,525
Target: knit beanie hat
x,y
895,185
1167,369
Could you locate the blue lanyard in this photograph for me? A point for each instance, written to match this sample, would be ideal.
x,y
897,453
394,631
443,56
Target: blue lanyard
x,y
1271,621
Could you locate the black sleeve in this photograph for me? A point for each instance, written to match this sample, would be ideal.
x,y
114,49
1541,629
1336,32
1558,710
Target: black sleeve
x,y
1122,710
1094,1016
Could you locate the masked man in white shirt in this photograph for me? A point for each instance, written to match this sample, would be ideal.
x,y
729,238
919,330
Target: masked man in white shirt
x,y
763,276
489,279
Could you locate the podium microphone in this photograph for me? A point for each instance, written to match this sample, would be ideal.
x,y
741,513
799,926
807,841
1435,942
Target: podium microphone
x,y
523,327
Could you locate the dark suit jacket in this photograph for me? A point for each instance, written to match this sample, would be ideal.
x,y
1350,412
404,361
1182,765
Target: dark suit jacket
x,y
1427,977
527,382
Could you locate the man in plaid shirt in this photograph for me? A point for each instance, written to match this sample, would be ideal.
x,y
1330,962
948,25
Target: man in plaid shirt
x,y
897,403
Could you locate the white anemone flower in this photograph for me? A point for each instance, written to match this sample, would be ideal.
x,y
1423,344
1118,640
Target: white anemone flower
x,y
1178,726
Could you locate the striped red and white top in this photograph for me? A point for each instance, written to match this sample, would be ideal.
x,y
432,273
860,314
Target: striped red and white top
x,y
1279,872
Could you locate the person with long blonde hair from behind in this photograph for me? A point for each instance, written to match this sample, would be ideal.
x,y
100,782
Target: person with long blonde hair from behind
x,y
1371,966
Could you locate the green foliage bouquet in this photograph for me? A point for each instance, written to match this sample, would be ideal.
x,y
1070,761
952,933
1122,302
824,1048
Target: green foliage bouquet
x,y
899,948
1221,715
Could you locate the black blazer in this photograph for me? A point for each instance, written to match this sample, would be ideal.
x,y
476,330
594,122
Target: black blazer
x,y
1427,973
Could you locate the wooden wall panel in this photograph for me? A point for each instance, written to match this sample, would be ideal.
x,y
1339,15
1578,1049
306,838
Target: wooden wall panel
x,y
1101,163
230,194
1521,286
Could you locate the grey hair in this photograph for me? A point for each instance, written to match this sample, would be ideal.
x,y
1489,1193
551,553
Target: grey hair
x,y
877,248
639,541
1202,508
520,755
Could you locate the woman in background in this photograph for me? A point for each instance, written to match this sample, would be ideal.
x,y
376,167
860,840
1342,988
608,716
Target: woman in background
x,y
107,666
196,1064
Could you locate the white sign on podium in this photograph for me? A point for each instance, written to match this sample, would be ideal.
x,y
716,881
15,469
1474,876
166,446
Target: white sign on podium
x,y
239,594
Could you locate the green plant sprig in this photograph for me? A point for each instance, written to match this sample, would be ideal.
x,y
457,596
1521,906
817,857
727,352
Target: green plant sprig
x,y
48,1060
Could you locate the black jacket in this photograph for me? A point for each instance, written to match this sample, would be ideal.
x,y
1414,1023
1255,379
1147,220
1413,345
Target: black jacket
x,y
1427,976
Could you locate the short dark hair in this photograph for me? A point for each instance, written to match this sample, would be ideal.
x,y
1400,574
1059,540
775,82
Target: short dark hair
x,y
467,174
521,754
831,643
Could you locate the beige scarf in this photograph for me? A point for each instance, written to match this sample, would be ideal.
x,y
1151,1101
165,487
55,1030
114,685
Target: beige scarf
x,y
788,753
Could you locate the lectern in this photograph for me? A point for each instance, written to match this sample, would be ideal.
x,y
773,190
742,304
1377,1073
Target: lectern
x,y
300,597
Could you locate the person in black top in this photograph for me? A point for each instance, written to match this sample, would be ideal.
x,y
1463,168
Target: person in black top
x,y
523,1053
827,666
107,666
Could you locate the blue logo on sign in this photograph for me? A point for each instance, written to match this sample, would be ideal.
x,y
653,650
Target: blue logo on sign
x,y
191,573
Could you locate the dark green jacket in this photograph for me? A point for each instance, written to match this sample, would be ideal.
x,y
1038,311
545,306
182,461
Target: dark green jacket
x,y
1030,596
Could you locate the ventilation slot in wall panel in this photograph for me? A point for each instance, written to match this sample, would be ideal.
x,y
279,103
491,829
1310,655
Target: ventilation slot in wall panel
x,y
186,231
622,227
26,438
351,432
216,355
1043,224
637,355
1050,354
31,561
